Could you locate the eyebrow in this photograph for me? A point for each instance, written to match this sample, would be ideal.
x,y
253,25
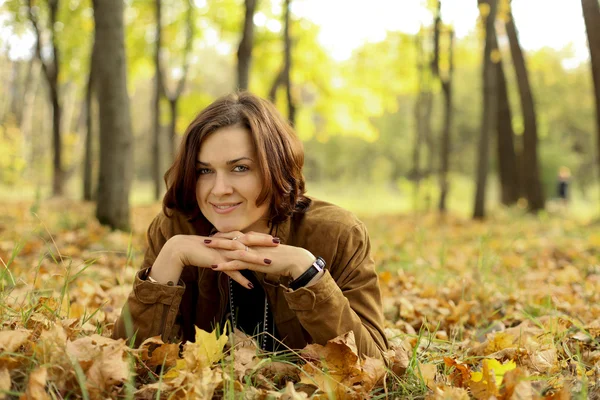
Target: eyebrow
x,y
230,162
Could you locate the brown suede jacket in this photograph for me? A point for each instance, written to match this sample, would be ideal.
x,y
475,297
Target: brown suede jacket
x,y
346,298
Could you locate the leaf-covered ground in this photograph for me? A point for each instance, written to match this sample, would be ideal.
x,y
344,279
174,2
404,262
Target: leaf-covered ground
x,y
508,309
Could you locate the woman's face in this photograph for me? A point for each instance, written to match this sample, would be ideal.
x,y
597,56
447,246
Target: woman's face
x,y
229,182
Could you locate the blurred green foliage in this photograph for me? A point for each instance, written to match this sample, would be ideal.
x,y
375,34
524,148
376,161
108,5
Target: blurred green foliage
x,y
355,116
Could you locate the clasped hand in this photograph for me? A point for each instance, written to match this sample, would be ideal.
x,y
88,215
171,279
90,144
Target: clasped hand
x,y
257,252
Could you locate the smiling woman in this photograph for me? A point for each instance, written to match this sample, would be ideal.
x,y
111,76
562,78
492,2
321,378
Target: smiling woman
x,y
239,242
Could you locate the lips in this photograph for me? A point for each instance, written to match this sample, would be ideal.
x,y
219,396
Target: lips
x,y
224,208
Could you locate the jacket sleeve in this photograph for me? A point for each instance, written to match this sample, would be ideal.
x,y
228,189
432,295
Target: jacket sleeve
x,y
151,308
346,298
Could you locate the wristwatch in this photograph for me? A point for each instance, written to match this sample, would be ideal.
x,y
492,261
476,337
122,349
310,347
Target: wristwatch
x,y
314,269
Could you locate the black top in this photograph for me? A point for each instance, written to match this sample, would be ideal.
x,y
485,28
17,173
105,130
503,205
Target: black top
x,y
249,308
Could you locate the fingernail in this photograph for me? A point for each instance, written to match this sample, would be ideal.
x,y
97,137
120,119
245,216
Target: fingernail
x,y
276,240
250,285
267,261
214,266
207,241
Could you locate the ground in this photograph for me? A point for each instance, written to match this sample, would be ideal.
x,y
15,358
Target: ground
x,y
508,308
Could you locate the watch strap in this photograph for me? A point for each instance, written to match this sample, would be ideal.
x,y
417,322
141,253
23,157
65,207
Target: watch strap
x,y
317,266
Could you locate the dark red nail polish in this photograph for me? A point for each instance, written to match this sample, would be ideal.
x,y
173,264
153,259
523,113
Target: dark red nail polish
x,y
276,240
267,261
250,285
207,241
214,266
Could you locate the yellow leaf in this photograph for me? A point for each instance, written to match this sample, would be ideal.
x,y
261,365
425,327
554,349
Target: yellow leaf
x,y
495,368
207,350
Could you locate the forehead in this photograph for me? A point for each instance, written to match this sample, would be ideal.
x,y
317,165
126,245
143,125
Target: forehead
x,y
226,144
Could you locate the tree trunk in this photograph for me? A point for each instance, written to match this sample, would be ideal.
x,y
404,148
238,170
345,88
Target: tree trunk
x,y
591,15
116,164
158,91
531,170
172,127
51,72
279,80
244,53
446,135
418,138
288,64
489,114
88,160
507,159
174,97
28,110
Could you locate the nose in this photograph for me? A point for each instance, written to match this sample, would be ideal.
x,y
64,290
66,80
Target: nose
x,y
221,186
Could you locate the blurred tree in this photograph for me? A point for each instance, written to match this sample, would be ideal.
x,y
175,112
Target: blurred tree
x,y
446,82
530,165
158,90
422,113
508,171
116,163
51,69
487,9
88,194
284,75
591,15
244,53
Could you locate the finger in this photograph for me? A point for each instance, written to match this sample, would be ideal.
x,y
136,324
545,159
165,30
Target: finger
x,y
224,244
237,265
247,256
239,278
259,239
228,235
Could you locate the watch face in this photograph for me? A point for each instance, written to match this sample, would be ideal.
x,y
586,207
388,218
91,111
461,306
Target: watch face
x,y
319,264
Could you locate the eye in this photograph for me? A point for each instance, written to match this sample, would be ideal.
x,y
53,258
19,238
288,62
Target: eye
x,y
241,168
203,171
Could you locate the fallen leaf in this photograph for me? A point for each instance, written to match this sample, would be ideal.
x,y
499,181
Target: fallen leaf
x,y
4,382
447,393
427,373
36,387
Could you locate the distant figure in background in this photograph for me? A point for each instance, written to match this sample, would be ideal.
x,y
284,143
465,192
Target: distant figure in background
x,y
564,174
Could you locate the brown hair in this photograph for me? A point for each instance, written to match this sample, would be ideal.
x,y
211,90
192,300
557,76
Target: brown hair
x,y
279,151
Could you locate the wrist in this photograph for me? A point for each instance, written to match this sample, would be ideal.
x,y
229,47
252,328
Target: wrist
x,y
307,259
167,266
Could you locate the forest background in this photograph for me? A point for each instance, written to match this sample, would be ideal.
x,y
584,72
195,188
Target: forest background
x,y
357,99
444,129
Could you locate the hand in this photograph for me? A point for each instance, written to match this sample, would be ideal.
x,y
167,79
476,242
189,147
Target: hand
x,y
182,250
260,252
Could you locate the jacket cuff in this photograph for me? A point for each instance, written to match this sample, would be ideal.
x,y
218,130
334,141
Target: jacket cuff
x,y
307,298
151,293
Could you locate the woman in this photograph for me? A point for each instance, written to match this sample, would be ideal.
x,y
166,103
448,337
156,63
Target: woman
x,y
239,241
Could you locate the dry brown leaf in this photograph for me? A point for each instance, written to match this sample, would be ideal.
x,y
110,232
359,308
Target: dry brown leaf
x,y
290,393
373,371
461,375
448,393
427,373
36,387
162,353
10,341
517,386
335,368
398,358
